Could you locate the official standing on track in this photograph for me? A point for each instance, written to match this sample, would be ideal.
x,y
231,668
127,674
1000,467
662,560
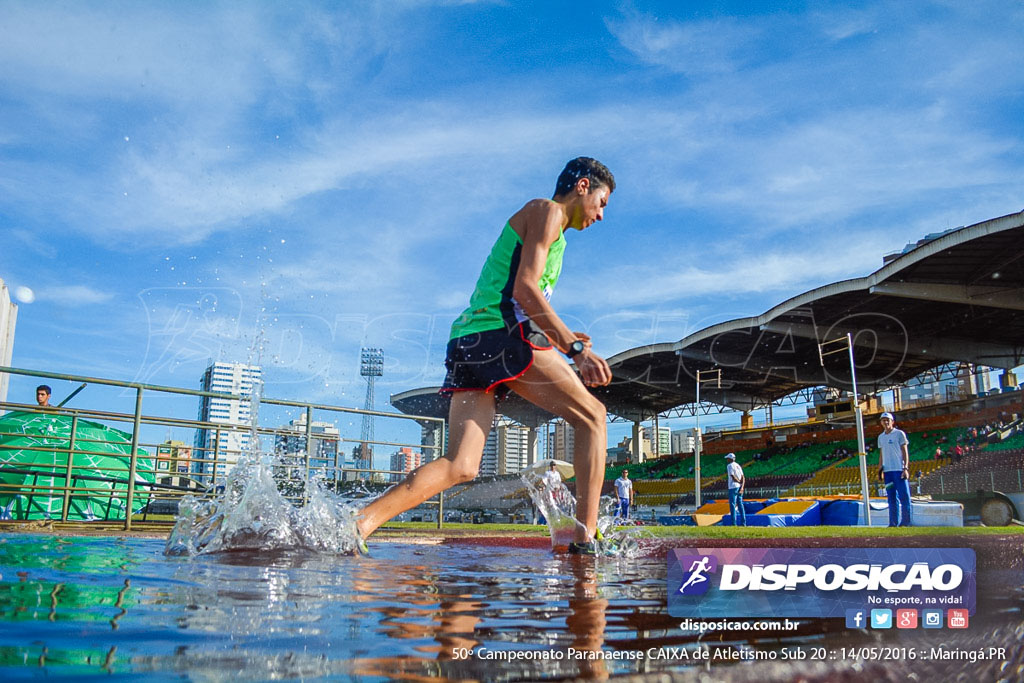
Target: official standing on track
x,y
737,483
624,489
894,470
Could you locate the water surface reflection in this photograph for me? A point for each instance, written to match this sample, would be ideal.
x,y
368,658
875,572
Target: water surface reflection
x,y
409,611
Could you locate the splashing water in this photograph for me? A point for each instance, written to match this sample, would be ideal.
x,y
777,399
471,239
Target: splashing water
x,y
559,509
251,514
557,506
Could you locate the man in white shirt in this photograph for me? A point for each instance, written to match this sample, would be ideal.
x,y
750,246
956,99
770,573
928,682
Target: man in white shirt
x,y
893,469
552,478
624,489
734,473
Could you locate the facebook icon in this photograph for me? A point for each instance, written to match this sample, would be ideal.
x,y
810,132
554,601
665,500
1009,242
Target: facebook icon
x,y
855,618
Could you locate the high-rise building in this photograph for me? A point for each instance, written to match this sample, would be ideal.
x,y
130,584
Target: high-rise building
x,y
684,440
430,437
513,447
291,442
8,317
216,451
172,462
561,441
661,442
953,383
404,460
506,448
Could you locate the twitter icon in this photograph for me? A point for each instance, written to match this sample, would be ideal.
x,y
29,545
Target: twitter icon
x,y
881,618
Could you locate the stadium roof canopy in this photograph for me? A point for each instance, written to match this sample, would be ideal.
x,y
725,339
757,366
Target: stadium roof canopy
x,y
959,297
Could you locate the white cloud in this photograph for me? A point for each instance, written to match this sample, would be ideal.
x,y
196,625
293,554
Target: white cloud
x,y
73,295
33,241
696,48
843,23
837,165
203,57
738,143
186,191
780,272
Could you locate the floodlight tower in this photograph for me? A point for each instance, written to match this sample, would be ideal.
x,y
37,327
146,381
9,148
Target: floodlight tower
x,y
371,366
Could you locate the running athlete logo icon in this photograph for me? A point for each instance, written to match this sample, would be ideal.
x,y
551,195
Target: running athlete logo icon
x,y
699,566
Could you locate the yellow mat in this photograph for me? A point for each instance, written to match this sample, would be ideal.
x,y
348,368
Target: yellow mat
x,y
788,507
719,507
707,520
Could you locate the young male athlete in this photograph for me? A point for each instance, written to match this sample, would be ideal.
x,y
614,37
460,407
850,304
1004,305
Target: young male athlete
x,y
894,469
624,489
509,339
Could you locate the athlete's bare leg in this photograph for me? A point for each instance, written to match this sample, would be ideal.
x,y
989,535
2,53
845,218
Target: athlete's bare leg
x,y
469,422
552,385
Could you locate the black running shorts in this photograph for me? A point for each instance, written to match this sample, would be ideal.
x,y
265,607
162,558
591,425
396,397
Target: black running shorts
x,y
485,361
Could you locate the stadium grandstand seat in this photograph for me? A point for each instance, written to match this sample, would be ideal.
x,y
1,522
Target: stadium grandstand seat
x,y
813,468
987,470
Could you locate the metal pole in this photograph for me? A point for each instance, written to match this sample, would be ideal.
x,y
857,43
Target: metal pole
x,y
440,497
136,425
74,393
696,449
309,451
216,456
67,472
861,449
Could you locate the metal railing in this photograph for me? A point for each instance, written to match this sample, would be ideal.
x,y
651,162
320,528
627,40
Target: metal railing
x,y
1004,480
79,464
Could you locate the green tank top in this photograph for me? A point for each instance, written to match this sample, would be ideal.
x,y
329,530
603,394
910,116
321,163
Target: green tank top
x,y
492,305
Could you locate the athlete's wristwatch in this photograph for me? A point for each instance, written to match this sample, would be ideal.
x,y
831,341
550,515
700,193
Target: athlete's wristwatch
x,y
575,349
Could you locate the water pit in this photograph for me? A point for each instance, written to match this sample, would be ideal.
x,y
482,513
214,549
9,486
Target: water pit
x,y
251,586
96,605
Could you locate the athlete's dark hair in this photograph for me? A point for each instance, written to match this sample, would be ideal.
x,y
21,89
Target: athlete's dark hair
x,y
45,388
584,167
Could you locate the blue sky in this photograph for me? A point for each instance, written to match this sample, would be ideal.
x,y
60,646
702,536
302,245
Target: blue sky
x,y
182,182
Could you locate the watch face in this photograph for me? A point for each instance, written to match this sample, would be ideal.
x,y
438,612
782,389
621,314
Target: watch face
x,y
577,347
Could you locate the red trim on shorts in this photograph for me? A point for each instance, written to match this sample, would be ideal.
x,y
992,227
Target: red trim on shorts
x,y
531,345
452,390
509,379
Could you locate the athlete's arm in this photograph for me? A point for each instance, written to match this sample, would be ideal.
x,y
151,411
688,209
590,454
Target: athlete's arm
x,y
542,223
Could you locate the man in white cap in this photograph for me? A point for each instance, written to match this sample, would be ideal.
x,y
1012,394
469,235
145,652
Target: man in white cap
x,y
624,490
893,469
736,485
